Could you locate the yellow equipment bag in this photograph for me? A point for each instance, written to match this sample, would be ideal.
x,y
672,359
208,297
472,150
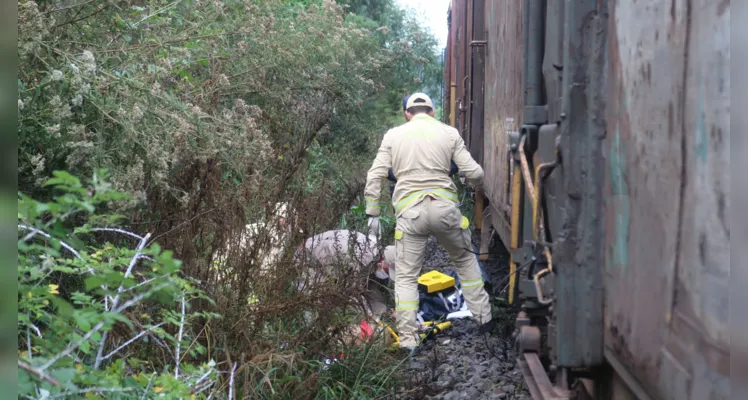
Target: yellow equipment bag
x,y
435,281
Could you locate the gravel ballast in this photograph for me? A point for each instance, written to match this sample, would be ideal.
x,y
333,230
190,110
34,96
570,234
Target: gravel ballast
x,y
461,363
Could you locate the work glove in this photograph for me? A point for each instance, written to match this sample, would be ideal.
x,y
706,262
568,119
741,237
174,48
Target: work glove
x,y
391,176
469,187
453,168
375,228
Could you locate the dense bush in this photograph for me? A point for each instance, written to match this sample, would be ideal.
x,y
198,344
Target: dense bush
x,y
207,114
98,319
85,305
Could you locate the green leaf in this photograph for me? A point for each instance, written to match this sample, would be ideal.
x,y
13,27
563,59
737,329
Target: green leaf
x,y
94,281
63,374
64,309
25,384
130,382
86,347
41,207
83,323
123,319
63,178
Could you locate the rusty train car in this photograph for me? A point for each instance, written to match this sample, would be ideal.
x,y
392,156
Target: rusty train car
x,y
603,130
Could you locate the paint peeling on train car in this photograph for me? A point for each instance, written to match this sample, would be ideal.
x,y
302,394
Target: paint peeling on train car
x,y
700,298
667,245
647,57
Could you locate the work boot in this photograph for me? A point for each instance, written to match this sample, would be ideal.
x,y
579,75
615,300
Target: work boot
x,y
487,327
408,351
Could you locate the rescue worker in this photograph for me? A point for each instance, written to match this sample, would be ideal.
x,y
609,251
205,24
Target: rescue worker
x,y
425,201
391,176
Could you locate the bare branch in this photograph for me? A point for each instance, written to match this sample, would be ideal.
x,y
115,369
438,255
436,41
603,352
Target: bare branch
x,y
38,332
145,282
147,388
122,231
35,231
196,388
37,372
231,382
142,244
204,376
28,342
136,299
179,340
127,343
115,302
72,346
206,386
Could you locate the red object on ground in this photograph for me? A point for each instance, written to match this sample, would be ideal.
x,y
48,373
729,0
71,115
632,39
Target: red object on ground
x,y
366,330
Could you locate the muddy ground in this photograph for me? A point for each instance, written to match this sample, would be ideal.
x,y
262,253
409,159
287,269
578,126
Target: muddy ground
x,y
460,363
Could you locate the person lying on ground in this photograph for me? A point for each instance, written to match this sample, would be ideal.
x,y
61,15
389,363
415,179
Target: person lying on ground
x,y
346,254
330,251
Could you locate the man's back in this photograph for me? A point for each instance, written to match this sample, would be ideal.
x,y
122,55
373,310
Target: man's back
x,y
419,153
421,149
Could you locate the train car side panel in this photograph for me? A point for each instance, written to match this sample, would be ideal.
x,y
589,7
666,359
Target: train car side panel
x,y
477,78
666,282
699,318
646,60
503,104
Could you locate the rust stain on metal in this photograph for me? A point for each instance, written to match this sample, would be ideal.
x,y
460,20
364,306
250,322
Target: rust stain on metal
x,y
701,302
667,257
642,224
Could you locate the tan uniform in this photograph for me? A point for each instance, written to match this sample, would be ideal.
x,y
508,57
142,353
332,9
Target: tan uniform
x,y
425,201
346,249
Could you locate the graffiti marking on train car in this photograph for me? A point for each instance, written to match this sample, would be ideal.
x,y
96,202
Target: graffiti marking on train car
x,y
620,201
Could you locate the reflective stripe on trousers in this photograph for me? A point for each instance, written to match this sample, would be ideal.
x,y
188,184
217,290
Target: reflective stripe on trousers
x,y
434,216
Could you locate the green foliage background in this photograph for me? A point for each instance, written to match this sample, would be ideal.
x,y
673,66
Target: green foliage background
x,y
205,114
